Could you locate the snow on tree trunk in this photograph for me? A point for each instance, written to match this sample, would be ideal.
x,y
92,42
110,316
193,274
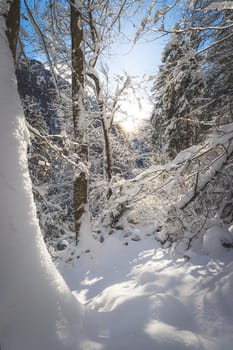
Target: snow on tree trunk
x,y
37,310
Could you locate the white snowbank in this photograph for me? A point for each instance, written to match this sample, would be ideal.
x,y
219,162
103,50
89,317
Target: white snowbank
x,y
147,299
37,310
216,241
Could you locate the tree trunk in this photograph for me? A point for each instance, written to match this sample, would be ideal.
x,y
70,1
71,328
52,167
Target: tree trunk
x,y
94,75
79,118
37,309
12,24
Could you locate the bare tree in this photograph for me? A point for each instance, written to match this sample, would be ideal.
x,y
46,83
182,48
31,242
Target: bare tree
x,y
79,118
92,25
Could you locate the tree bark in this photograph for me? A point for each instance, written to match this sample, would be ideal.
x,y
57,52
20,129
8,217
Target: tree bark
x,y
99,96
12,24
107,141
80,125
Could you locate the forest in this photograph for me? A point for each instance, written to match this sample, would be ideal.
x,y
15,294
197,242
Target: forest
x,y
112,238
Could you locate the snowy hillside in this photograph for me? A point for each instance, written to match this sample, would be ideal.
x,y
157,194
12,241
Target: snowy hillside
x,y
143,297
152,269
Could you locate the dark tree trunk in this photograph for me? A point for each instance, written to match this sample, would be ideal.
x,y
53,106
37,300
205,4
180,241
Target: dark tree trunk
x,y
80,131
12,24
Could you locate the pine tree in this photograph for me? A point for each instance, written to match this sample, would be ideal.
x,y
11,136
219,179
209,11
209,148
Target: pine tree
x,y
177,92
220,70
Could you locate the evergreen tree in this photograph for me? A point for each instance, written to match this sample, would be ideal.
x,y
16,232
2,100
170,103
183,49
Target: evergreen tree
x,y
177,91
220,70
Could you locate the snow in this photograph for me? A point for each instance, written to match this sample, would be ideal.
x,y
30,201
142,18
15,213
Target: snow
x,y
128,293
226,5
37,309
143,297
214,240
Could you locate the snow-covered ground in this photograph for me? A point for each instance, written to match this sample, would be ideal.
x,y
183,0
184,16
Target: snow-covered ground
x,y
135,295
145,297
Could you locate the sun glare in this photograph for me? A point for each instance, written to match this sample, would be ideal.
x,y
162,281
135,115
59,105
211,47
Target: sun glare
x,y
132,114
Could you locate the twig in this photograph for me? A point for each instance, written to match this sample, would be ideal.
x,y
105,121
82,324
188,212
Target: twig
x,y
80,165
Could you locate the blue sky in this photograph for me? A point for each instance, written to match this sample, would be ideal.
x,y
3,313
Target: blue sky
x,y
143,58
140,59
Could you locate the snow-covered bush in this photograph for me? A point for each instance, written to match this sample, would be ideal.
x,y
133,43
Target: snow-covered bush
x,y
182,198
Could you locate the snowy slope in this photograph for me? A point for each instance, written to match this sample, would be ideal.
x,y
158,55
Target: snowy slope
x,y
136,296
148,299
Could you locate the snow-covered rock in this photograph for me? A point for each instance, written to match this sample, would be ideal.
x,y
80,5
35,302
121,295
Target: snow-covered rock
x,y
217,241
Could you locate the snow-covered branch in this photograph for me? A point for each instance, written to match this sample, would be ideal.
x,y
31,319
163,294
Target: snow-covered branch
x,y
77,165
